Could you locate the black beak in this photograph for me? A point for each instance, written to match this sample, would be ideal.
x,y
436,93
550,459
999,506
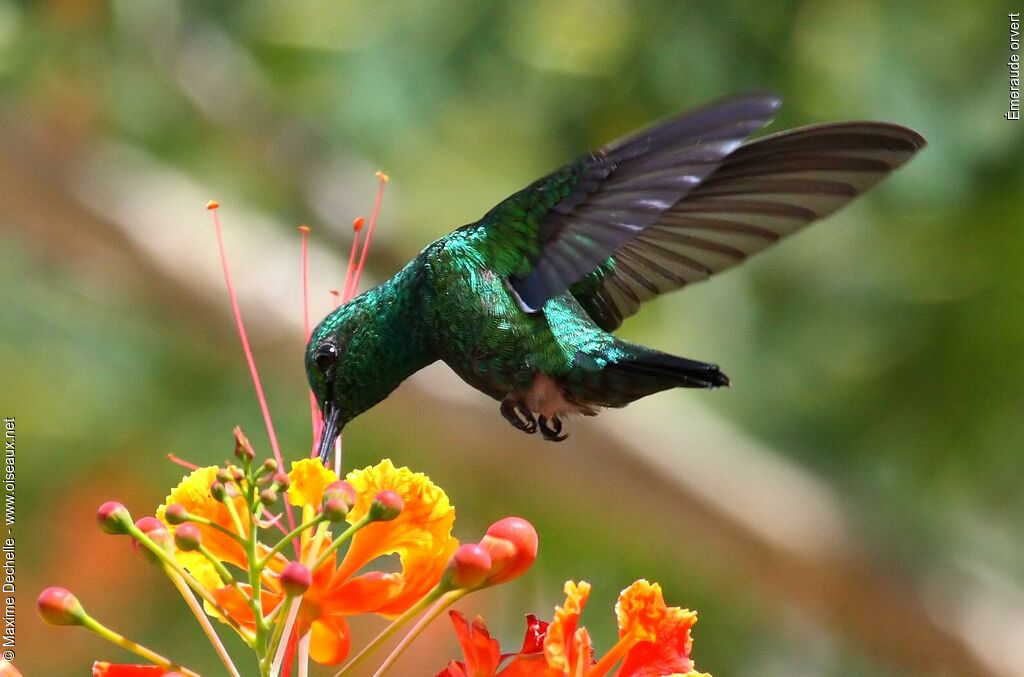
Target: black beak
x,y
330,432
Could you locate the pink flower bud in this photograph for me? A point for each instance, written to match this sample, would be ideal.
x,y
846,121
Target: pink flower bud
x,y
114,518
387,505
512,545
340,490
282,481
175,513
218,492
468,567
57,606
188,537
157,532
270,465
335,510
268,496
296,579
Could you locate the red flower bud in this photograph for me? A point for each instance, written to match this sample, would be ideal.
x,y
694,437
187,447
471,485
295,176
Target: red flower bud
x,y
282,481
187,537
335,510
57,606
296,579
157,532
339,497
114,518
468,567
387,505
512,545
175,513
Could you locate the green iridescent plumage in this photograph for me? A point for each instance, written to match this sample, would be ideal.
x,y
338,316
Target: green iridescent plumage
x,y
520,303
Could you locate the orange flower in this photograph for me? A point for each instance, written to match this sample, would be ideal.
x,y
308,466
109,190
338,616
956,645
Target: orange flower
x,y
420,536
654,641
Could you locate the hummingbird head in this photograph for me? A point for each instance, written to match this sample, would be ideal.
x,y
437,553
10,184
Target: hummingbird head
x,y
325,370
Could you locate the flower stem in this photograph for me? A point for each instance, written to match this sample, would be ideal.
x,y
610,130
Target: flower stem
x,y
445,601
340,541
275,638
206,522
391,629
120,640
283,543
204,622
168,560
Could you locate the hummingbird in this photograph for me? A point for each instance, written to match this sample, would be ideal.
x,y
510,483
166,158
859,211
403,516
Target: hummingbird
x,y
522,303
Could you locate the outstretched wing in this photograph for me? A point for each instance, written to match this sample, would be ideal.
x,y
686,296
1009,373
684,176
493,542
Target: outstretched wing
x,y
762,192
553,233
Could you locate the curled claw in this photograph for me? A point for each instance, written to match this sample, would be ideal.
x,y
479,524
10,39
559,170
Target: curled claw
x,y
552,433
519,416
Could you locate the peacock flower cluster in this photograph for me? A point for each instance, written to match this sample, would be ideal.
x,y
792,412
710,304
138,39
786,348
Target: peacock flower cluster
x,y
300,587
654,641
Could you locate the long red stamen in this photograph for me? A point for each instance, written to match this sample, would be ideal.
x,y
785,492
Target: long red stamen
x,y
348,291
382,179
247,349
314,410
182,462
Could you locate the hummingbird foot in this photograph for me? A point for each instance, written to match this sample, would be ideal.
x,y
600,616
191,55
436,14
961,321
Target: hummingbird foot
x,y
518,415
552,433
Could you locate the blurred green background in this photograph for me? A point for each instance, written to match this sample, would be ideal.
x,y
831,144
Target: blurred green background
x,y
852,506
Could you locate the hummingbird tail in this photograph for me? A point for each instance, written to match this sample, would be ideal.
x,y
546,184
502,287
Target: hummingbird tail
x,y
643,371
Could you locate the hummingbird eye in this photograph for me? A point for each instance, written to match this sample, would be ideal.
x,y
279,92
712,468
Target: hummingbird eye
x,y
325,356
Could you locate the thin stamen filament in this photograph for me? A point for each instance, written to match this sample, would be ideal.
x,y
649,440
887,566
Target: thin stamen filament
x,y
204,622
443,603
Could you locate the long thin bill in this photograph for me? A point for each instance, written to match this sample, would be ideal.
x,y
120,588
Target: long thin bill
x,y
328,434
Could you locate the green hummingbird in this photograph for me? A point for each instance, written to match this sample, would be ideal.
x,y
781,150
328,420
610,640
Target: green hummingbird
x,y
521,304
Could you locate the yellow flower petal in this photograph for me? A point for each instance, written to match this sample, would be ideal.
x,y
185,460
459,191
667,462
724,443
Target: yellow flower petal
x,y
420,535
640,610
193,492
309,478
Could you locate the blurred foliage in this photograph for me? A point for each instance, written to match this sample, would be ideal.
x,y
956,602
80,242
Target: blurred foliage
x,y
881,350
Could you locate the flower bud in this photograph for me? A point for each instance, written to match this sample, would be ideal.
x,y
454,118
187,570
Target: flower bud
x,y
218,492
335,510
296,579
342,490
282,481
268,496
468,567
512,545
270,466
175,513
114,518
387,505
57,606
223,475
237,475
243,450
188,537
339,497
157,532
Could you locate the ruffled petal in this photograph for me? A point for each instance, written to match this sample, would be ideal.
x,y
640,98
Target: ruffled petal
x,y
669,652
640,610
560,644
420,535
193,492
308,479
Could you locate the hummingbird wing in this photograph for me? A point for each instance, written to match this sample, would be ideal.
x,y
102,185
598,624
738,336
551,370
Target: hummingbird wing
x,y
763,191
557,230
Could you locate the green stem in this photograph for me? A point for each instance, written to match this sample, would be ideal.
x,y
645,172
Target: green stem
x,y
167,559
275,636
287,538
206,522
136,648
446,601
340,541
391,629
